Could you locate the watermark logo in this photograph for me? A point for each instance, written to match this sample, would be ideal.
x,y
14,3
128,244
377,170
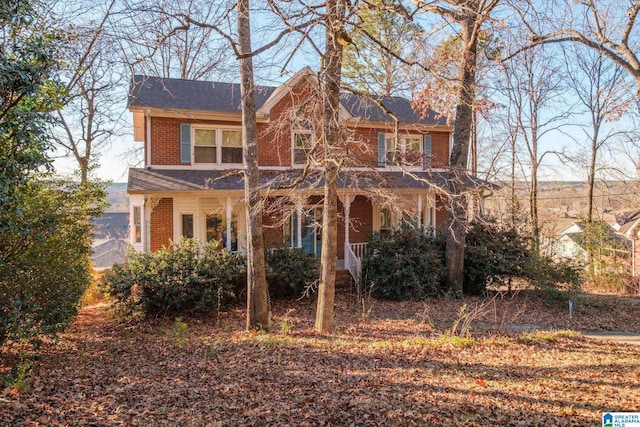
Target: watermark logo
x,y
621,419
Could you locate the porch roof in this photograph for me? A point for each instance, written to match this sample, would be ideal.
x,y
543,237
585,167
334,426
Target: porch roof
x,y
170,180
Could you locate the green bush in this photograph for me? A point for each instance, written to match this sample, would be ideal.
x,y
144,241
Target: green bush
x,y
496,254
187,276
289,271
44,257
554,276
404,264
493,254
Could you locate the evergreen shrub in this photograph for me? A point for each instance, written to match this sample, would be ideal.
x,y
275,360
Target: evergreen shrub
x,y
290,271
406,263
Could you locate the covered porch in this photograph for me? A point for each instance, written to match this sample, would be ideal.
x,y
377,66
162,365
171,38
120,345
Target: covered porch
x,y
206,205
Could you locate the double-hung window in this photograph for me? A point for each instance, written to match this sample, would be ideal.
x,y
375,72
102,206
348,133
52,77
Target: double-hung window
x,y
412,150
231,146
302,145
407,150
211,145
394,151
205,147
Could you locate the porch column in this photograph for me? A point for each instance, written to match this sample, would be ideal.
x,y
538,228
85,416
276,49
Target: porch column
x,y
299,210
346,200
419,211
151,203
229,206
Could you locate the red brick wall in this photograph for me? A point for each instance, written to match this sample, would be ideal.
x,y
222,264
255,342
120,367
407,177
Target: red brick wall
x,y
161,224
165,138
165,141
362,148
274,138
442,213
439,149
360,217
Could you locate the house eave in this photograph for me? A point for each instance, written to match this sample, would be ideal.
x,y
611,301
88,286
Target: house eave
x,y
390,126
191,114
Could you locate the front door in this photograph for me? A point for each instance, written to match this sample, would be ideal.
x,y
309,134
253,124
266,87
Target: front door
x,y
311,231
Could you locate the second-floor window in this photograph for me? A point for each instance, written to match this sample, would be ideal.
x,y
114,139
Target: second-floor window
x,y
210,145
302,146
231,146
204,146
407,150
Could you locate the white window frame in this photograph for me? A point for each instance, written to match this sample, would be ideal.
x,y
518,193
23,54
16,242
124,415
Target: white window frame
x,y
181,224
218,146
136,225
312,140
403,148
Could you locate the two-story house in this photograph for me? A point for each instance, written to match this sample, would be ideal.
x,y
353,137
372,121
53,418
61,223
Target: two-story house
x,y
393,162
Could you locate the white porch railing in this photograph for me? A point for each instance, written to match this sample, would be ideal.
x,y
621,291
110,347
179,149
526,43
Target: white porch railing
x,y
353,253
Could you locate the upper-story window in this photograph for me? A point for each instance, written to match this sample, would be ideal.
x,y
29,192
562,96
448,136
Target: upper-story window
x,y
407,150
204,146
302,145
211,145
231,146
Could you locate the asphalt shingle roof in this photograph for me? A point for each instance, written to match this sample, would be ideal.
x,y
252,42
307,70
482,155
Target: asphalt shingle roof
x,y
166,180
165,93
197,95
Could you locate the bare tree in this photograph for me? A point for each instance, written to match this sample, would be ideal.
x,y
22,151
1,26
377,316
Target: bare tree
x,y
239,42
90,116
257,304
532,84
606,26
470,16
598,84
330,74
165,45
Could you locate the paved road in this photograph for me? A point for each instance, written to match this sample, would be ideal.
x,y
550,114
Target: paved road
x,y
615,336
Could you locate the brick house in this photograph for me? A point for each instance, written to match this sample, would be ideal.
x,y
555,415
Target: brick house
x,y
191,184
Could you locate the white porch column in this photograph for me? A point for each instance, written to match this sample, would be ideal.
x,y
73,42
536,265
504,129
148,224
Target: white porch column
x,y
346,201
419,211
299,210
150,204
229,206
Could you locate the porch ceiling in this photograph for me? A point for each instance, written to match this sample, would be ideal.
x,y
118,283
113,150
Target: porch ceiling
x,y
167,180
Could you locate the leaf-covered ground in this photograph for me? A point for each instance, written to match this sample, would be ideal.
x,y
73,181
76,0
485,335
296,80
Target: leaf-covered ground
x,y
387,364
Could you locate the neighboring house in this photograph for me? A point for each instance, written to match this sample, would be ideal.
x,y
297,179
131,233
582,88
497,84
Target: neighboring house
x,y
566,241
110,239
191,184
628,228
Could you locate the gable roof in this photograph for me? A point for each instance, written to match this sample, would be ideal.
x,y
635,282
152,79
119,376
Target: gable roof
x,y
366,108
158,92
111,225
178,94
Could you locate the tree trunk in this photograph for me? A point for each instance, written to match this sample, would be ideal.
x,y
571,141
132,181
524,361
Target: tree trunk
x,y
533,207
331,75
591,183
257,302
455,243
